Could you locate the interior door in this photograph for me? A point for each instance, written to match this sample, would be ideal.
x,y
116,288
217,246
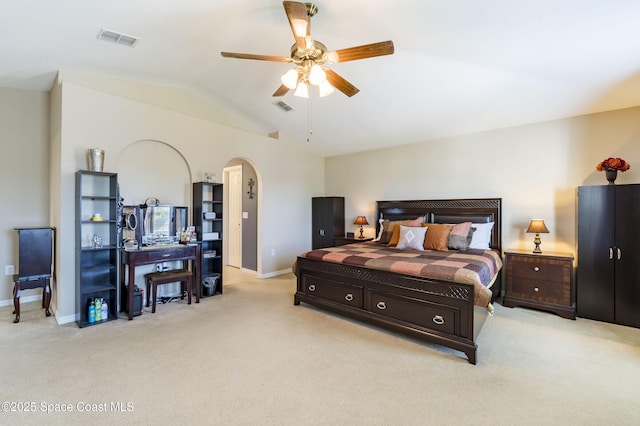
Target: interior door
x,y
235,216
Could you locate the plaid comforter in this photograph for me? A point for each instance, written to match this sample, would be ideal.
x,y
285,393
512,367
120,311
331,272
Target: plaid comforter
x,y
477,267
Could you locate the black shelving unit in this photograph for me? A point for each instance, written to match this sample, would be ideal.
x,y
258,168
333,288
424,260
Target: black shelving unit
x,y
207,218
96,258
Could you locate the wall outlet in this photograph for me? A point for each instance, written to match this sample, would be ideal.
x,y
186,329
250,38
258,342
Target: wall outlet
x,y
9,270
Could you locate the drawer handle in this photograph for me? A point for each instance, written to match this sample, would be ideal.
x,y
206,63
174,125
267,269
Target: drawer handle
x,y
535,268
381,305
349,297
312,287
536,289
166,255
438,319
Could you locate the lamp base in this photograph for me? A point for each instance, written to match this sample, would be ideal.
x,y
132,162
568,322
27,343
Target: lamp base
x,y
537,241
361,233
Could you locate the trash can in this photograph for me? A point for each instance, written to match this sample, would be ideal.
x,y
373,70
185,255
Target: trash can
x,y
209,285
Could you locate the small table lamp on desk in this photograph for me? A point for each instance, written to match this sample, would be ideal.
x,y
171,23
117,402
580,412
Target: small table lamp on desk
x,y
361,220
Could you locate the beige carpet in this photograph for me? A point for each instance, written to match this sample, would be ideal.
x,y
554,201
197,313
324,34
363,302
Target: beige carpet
x,y
250,357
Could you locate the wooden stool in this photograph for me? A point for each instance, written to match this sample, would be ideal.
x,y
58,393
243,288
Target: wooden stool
x,y
154,279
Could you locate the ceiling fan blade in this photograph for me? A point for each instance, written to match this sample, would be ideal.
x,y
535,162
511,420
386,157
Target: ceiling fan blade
x,y
365,51
282,90
299,21
340,83
257,57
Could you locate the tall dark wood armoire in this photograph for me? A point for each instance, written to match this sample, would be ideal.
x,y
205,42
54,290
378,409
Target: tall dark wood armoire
x,y
608,278
327,220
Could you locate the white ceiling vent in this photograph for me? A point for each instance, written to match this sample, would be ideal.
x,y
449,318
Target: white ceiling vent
x,y
118,38
283,106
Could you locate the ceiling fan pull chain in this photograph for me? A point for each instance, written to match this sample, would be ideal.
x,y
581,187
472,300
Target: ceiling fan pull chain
x,y
309,119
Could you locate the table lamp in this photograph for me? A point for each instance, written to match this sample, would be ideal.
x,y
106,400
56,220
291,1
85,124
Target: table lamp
x,y
361,220
538,227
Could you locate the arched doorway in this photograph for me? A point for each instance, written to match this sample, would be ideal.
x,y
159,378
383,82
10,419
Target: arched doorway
x,y
242,209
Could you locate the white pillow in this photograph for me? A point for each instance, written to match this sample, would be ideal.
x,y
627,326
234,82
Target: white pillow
x,y
482,236
381,229
412,237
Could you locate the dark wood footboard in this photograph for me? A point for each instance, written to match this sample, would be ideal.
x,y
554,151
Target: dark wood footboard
x,y
432,311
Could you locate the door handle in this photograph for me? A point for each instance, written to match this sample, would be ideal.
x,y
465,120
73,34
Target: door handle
x,y
610,253
619,252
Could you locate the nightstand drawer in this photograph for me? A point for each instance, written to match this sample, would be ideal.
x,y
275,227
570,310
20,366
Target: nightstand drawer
x,y
538,269
540,290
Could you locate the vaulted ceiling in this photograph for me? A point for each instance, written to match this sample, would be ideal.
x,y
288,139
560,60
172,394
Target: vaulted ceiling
x,y
459,67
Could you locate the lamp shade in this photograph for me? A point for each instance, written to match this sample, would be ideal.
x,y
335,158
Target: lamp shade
x,y
537,226
302,91
290,79
361,220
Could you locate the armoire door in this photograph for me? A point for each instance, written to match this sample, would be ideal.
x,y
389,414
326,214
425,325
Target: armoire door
x,y
595,288
627,255
327,220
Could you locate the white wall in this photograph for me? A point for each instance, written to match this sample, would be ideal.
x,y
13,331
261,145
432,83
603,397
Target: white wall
x,y
289,173
24,173
534,168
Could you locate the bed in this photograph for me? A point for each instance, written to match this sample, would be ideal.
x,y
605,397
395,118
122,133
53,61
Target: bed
x,y
363,281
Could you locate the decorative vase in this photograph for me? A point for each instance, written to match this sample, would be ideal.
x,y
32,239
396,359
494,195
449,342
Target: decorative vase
x,y
612,174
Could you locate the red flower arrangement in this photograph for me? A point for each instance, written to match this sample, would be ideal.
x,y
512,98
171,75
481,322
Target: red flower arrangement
x,y
613,164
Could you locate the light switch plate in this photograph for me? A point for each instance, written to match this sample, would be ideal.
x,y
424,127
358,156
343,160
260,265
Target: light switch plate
x,y
9,270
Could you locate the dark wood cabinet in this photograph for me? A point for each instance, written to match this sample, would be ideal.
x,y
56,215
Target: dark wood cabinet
x,y
207,218
608,277
97,242
327,220
541,281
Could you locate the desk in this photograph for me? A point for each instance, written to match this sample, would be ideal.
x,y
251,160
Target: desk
x,y
147,256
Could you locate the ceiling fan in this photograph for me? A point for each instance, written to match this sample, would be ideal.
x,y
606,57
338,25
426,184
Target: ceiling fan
x,y
310,56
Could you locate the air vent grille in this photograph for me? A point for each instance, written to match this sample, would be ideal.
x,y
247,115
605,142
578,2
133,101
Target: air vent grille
x,y
283,106
118,38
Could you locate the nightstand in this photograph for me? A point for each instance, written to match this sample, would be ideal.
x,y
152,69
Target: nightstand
x,y
541,281
340,241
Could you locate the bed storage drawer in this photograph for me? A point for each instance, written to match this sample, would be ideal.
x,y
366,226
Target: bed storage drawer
x,y
335,291
411,310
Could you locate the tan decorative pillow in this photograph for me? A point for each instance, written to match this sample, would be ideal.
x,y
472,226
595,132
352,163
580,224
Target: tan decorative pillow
x,y
437,237
389,229
459,237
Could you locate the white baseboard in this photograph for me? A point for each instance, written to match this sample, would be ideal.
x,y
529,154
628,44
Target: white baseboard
x,y
275,273
23,299
37,298
66,319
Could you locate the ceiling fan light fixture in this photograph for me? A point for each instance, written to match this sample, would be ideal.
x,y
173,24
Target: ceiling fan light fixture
x,y
317,75
302,91
290,79
325,88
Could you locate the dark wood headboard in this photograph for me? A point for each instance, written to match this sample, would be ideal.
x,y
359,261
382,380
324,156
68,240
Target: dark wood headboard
x,y
477,210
